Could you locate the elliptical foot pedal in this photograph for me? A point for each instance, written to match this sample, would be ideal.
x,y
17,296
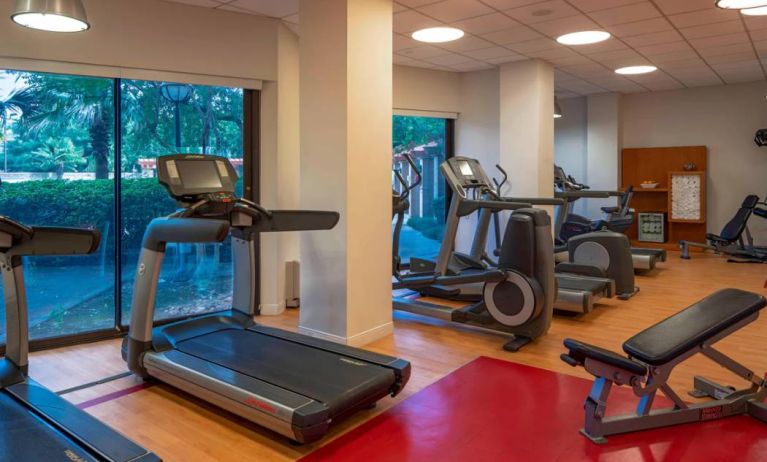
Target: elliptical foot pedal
x,y
516,344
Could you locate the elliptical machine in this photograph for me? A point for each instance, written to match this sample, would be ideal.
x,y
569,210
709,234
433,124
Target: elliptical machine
x,y
518,294
616,219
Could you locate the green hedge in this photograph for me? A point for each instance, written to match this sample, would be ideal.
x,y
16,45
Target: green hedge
x,y
428,226
87,203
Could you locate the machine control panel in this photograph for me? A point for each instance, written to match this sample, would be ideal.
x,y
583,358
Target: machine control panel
x,y
191,176
464,173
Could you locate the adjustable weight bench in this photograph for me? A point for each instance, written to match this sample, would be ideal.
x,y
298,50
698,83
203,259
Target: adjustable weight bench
x,y
730,241
653,354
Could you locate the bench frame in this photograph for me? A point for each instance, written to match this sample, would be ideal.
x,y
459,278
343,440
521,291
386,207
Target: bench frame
x,y
731,402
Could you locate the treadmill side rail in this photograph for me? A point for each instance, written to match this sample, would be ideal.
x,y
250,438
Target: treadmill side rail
x,y
80,426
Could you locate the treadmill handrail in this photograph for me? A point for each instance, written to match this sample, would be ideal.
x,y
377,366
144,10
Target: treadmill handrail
x,y
467,207
49,240
183,230
582,194
537,200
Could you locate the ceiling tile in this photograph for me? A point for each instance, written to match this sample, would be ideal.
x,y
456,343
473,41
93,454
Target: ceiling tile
x,y
470,66
566,25
752,65
513,35
569,61
544,11
607,45
742,77
760,34
562,76
653,39
564,94
416,3
701,81
490,53
203,3
449,59
553,53
658,60
710,30
681,6
467,43
508,4
402,42
507,59
410,20
396,7
616,55
625,14
648,26
454,10
273,8
596,5
486,23
756,22
691,72
533,45
709,52
730,57
720,40
403,60
685,64
708,16
663,48
423,52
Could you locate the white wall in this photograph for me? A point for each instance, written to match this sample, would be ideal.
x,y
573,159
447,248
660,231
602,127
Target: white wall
x,y
426,90
570,141
724,118
154,35
603,149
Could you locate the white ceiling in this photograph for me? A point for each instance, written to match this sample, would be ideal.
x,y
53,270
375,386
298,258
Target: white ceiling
x,y
692,42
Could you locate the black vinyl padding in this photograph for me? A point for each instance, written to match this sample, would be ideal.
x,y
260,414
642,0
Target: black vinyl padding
x,y
692,326
579,351
735,227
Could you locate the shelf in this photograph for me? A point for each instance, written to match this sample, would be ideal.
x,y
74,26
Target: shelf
x,y
653,190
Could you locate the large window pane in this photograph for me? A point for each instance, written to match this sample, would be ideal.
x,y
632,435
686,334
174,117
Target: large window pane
x,y
424,138
161,118
56,140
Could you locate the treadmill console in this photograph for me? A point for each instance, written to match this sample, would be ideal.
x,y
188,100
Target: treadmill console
x,y
191,177
464,173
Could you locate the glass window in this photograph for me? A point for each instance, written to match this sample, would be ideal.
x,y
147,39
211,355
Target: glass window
x,y
57,144
162,118
424,138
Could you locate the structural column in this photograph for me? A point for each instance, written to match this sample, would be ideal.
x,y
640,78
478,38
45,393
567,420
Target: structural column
x,y
603,146
527,127
346,111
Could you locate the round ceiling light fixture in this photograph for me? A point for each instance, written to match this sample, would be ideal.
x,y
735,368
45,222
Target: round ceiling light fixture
x,y
585,37
740,4
635,70
557,109
437,34
759,11
51,15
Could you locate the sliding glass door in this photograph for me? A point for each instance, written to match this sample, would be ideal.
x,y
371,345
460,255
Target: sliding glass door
x,y
62,138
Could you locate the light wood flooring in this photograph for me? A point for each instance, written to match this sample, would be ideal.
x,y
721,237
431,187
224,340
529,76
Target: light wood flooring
x,y
180,428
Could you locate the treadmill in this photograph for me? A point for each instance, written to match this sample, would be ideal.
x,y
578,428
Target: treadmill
x,y
293,384
35,423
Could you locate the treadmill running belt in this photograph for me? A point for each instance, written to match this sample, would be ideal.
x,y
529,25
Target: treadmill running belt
x,y
333,379
26,437
585,285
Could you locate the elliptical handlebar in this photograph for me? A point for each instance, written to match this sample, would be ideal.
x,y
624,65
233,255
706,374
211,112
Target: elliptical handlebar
x,y
499,184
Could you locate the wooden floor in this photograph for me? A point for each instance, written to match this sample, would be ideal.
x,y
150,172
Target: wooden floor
x,y
179,428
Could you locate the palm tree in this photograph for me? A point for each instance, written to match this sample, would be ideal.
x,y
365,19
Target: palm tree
x,y
20,101
69,100
57,154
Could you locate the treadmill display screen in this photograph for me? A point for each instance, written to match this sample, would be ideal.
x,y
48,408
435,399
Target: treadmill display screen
x,y
465,168
197,174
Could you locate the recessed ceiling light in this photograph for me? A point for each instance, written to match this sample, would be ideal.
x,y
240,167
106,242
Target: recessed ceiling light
x,y
740,4
759,11
584,37
634,70
58,16
437,34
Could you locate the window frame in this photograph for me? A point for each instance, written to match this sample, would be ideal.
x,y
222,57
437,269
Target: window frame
x,y
251,174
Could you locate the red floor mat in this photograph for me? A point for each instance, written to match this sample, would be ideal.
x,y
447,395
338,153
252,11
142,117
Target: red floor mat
x,y
493,410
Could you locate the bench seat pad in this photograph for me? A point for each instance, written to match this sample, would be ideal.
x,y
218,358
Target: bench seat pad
x,y
692,326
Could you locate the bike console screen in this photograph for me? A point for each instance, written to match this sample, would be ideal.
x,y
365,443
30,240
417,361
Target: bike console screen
x,y
190,176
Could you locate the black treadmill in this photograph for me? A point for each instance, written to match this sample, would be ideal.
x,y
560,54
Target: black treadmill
x,y
294,384
35,423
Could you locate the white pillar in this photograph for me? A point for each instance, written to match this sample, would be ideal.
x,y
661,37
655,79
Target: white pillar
x,y
346,109
527,127
279,168
603,147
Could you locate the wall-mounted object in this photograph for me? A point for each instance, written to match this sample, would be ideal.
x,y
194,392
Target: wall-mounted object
x,y
687,201
652,227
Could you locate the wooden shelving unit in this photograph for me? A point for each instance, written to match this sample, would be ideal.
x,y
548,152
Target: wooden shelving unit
x,y
657,164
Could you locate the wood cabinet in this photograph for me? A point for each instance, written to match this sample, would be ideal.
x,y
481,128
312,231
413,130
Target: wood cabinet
x,y
664,165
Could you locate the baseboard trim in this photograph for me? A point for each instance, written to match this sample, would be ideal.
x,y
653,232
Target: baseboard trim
x,y
271,309
357,340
